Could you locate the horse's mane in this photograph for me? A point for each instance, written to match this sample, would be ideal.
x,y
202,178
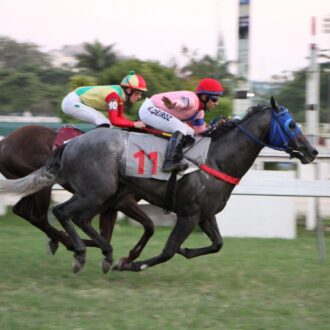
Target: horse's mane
x,y
230,124
253,110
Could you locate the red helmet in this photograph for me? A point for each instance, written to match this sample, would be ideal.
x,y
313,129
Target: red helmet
x,y
134,81
209,86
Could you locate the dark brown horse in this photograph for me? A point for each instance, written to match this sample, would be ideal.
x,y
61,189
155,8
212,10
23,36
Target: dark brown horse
x,y
26,150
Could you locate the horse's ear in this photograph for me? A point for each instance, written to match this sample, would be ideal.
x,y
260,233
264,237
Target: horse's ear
x,y
274,104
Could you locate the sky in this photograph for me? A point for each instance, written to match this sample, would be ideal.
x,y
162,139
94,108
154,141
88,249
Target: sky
x,y
280,32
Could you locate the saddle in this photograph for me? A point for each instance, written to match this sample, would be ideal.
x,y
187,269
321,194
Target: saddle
x,y
66,133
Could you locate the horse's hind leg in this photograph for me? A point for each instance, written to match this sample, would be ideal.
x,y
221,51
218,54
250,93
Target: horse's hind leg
x,y
81,210
34,208
182,229
211,229
63,213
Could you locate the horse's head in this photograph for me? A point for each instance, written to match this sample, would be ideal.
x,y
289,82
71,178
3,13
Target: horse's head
x,y
286,134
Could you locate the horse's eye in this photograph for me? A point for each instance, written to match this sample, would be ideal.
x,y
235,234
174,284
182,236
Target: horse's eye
x,y
292,125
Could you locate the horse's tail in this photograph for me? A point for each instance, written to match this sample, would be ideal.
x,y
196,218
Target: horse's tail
x,y
41,178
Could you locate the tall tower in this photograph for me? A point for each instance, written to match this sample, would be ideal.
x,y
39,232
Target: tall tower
x,y
220,54
313,90
241,101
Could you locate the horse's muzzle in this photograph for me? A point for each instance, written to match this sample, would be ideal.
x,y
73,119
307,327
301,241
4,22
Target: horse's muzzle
x,y
305,156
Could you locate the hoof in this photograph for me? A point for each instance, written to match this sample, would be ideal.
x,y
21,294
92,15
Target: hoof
x,y
183,252
133,266
105,265
78,262
120,265
76,266
53,246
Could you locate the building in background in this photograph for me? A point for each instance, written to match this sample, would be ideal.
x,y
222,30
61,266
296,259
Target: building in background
x,y
65,57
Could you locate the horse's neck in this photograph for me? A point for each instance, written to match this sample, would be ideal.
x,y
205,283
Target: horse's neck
x,y
236,152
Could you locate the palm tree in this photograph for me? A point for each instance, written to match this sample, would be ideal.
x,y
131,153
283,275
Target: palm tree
x,y
96,57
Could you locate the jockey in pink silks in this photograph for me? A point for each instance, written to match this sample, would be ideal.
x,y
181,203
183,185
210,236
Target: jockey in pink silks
x,y
180,113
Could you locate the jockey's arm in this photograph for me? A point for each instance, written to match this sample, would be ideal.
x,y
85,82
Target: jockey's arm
x,y
116,112
198,124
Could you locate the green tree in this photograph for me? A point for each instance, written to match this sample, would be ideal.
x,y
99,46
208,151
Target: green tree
x,y
54,76
17,55
82,80
325,93
28,82
293,94
96,57
207,66
19,91
35,89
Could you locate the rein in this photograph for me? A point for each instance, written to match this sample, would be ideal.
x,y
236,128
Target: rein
x,y
280,132
279,137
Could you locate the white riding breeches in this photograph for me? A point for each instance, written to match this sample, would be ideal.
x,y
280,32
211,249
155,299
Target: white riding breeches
x,y
72,106
159,119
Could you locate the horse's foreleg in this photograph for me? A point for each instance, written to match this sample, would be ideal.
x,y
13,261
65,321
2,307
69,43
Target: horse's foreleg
x,y
133,211
107,222
182,229
211,229
83,221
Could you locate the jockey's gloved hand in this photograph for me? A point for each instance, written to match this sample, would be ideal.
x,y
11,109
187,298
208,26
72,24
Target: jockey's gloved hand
x,y
208,131
213,125
217,121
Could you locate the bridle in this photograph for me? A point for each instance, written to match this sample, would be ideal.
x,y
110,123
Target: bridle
x,y
283,130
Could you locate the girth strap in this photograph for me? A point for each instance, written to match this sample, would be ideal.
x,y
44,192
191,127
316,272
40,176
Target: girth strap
x,y
170,193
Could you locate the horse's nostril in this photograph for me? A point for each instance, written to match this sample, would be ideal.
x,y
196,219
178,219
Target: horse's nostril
x,y
315,152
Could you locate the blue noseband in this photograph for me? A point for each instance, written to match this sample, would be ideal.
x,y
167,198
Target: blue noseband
x,y
280,132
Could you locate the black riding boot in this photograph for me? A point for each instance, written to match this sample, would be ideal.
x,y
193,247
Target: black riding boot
x,y
173,157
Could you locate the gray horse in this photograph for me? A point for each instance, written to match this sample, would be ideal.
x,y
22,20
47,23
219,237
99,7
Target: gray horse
x,y
94,165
